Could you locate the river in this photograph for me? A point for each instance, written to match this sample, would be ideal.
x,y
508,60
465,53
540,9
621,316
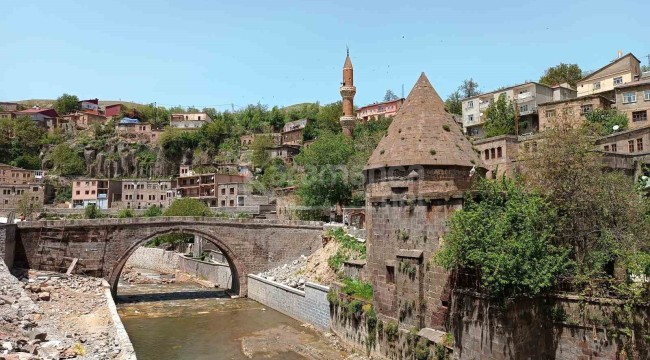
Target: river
x,y
187,321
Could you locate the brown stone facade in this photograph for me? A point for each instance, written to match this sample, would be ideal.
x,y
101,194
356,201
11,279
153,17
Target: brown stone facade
x,y
499,155
143,193
633,99
572,109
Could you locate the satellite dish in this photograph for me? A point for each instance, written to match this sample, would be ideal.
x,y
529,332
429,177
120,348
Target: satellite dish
x,y
616,127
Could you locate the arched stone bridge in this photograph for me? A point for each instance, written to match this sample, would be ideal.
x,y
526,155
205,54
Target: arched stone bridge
x,y
102,246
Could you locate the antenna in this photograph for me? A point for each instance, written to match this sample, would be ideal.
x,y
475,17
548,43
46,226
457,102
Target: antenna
x,y
347,50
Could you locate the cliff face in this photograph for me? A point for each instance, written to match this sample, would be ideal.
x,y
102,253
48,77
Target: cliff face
x,y
123,159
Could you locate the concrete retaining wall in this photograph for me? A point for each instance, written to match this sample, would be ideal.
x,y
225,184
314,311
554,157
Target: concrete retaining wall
x,y
218,274
310,306
160,260
7,244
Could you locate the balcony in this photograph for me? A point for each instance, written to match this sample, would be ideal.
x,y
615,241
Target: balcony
x,y
484,105
527,96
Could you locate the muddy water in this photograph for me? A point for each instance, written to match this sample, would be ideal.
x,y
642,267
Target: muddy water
x,y
187,321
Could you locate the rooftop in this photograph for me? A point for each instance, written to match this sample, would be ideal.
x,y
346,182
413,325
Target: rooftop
x,y
423,133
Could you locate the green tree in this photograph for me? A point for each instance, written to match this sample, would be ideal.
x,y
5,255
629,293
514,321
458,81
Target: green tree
x,y
505,235
326,120
20,142
212,134
602,236
469,88
563,73
327,177
26,205
175,141
63,194
645,68
260,147
605,120
390,95
153,211
92,212
500,117
188,207
276,119
454,103
67,161
66,104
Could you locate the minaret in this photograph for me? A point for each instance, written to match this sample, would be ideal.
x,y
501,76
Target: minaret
x,y
347,93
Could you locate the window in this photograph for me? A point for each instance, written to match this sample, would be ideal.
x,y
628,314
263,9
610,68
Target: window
x,y
470,104
223,202
487,154
614,148
93,192
232,202
493,153
473,132
550,113
499,154
630,146
78,192
639,144
606,147
640,115
597,85
523,108
618,80
390,274
232,191
629,97
470,118
586,109
646,95
223,191
86,192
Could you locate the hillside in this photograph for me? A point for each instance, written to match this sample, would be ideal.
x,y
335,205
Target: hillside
x,y
50,102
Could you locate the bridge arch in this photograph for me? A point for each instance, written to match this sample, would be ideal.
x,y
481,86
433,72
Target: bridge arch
x,y
237,267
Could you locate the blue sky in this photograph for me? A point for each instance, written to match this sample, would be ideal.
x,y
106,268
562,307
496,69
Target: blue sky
x,y
212,53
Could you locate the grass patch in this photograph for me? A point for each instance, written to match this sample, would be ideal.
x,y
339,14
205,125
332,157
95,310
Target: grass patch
x,y
357,289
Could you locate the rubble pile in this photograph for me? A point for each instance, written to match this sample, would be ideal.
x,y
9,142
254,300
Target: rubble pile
x,y
53,316
133,276
288,274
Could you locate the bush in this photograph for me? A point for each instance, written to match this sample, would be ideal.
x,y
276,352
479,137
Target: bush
x,y
153,211
92,212
357,289
506,236
125,213
188,207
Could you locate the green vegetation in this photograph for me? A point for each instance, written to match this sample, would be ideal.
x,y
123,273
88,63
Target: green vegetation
x,y
357,289
92,212
153,211
562,73
20,142
505,235
67,161
500,117
125,213
605,120
349,248
188,207
63,194
66,104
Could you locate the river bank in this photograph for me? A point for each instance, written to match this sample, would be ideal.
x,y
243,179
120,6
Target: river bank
x,y
52,316
183,320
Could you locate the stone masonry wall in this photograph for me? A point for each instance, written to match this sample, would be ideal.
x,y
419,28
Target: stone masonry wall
x,y
218,274
104,245
7,244
310,306
159,260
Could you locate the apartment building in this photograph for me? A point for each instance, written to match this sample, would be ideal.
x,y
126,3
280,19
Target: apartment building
x,y
44,117
143,193
286,152
90,104
35,195
634,141
622,70
526,96
84,119
189,121
633,99
292,132
203,186
10,106
499,154
134,129
376,110
246,141
101,192
573,110
15,175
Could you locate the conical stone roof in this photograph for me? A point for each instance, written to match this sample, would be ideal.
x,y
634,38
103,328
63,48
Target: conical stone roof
x,y
348,63
423,133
